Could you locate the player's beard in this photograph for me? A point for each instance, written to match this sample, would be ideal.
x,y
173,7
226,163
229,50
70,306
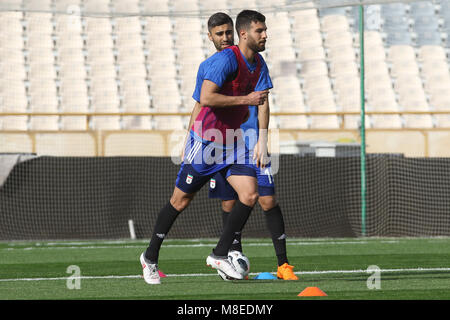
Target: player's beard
x,y
256,46
221,45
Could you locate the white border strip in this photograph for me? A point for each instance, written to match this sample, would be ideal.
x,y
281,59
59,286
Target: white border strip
x,y
215,274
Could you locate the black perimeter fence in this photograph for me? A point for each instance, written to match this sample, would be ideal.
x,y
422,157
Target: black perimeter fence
x,y
94,198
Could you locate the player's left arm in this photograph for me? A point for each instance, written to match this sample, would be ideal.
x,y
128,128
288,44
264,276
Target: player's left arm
x,y
260,154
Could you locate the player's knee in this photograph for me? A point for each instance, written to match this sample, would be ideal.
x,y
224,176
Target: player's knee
x,y
267,202
227,205
180,203
249,198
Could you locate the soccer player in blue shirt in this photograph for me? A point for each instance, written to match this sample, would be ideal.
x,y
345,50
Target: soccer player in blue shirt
x,y
227,88
222,37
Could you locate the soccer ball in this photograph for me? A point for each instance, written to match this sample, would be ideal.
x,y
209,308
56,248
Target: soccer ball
x,y
240,262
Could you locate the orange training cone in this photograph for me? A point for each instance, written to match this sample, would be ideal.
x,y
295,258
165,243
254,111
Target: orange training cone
x,y
312,292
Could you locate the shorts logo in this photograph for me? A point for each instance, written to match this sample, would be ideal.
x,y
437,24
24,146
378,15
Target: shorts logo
x,y
189,179
212,183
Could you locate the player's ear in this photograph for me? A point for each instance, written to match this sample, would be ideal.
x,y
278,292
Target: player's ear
x,y
210,36
243,34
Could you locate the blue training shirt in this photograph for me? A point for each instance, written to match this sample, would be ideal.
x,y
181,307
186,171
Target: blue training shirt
x,y
222,65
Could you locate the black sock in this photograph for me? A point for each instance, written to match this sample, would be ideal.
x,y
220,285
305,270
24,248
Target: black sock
x,y
235,222
275,224
164,222
236,245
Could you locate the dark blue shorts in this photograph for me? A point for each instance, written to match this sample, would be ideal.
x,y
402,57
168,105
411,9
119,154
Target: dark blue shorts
x,y
204,159
219,188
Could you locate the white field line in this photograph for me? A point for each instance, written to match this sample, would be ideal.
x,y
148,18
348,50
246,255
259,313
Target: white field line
x,y
263,244
215,275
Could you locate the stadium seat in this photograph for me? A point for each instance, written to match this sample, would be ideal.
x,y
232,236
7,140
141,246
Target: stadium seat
x,y
305,20
374,53
386,122
102,70
337,39
348,98
161,70
70,55
293,122
127,54
136,123
166,101
334,23
97,25
182,5
404,67
40,55
443,120
13,71
290,102
307,39
341,54
98,6
131,39
102,40
14,123
156,54
169,122
311,53
126,6
44,123
418,121
436,81
132,70
100,55
105,123
398,37
343,68
39,22
434,67
128,25
321,104
11,23
428,37
408,82
69,40
41,71
314,68
440,100
372,38
431,52
72,70
324,122
401,52
317,87
11,40
156,6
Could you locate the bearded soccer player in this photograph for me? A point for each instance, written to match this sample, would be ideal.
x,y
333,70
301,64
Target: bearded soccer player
x,y
226,88
222,37
220,188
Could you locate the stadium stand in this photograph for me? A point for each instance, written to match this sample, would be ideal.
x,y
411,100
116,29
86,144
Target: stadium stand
x,y
137,63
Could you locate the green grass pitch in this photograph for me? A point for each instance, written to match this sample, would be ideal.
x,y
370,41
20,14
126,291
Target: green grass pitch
x,y
410,268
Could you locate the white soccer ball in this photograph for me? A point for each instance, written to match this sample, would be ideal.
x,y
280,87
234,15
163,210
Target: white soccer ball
x,y
240,262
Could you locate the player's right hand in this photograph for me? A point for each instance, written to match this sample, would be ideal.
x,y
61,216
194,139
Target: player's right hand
x,y
257,98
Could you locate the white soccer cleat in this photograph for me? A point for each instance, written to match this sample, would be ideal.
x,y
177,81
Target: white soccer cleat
x,y
150,271
228,272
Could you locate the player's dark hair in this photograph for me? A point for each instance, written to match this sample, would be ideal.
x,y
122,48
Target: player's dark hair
x,y
218,19
245,19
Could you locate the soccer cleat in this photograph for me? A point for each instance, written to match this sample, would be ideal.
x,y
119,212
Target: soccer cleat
x,y
223,265
285,272
150,271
